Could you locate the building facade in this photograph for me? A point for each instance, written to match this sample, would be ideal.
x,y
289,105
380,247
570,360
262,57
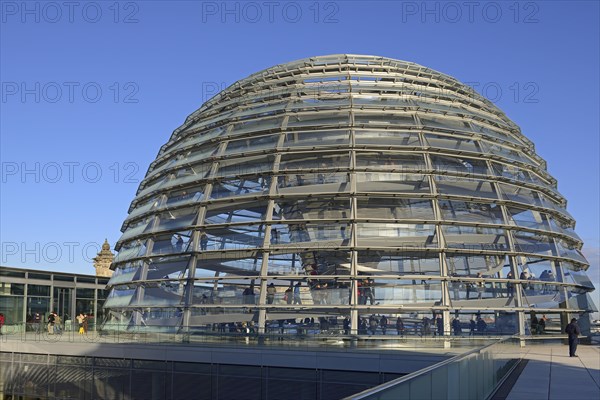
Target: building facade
x,y
337,189
25,292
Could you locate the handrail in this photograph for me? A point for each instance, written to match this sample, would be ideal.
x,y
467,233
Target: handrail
x,y
377,389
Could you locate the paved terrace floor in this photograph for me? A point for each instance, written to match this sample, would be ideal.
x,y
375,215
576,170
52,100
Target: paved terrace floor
x,y
551,374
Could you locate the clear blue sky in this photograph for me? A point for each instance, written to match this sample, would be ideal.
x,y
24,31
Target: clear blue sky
x,y
91,91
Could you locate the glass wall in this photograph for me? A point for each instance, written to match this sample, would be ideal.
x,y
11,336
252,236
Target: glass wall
x,y
27,297
342,190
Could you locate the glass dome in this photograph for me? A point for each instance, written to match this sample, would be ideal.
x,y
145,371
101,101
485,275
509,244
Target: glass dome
x,y
332,190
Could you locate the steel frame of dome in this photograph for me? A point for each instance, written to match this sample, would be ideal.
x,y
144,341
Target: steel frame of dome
x,y
382,186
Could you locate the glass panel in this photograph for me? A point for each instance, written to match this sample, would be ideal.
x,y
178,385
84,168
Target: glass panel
x,y
287,263
459,165
12,274
168,268
256,125
394,208
166,293
176,219
543,324
390,161
146,206
309,232
35,275
471,265
529,218
85,293
125,273
368,182
533,268
511,154
515,173
120,296
465,187
252,144
310,161
152,185
446,123
472,293
195,138
12,308
245,166
401,292
131,250
379,101
477,238
225,213
566,228
455,210
542,295
486,130
137,228
313,208
16,289
319,119
38,290
332,182
313,100
383,118
534,243
175,243
387,138
234,237
39,305
577,277
240,187
396,235
211,293
406,263
189,175
232,264
317,138
189,195
570,250
188,157
520,194
452,142
328,292
162,319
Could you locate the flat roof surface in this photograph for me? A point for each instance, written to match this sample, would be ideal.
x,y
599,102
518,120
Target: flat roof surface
x,y
552,374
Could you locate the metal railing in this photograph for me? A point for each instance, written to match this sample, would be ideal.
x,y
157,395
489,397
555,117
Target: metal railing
x,y
277,337
475,374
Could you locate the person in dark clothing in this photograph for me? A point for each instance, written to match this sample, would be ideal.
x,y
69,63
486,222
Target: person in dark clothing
x,y
271,290
373,322
534,324
472,326
400,326
440,325
383,322
346,326
362,327
481,326
203,241
456,326
509,285
573,331
542,325
179,244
